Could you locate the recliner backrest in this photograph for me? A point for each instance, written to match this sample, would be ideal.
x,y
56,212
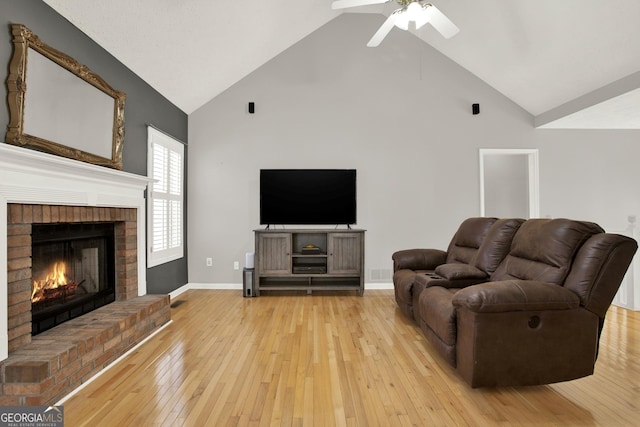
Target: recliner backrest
x,y
543,250
496,244
465,243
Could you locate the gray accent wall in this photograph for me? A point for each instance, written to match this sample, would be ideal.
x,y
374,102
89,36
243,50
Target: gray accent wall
x,y
143,106
401,115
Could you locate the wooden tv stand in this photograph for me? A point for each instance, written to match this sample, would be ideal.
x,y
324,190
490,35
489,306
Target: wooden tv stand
x,y
309,259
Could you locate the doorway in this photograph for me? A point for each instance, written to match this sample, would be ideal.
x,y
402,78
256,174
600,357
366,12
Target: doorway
x,y
509,183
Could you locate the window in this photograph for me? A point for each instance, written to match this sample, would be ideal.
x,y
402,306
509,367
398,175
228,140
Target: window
x,y
165,198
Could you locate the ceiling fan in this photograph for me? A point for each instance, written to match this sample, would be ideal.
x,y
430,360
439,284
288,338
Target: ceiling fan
x,y
417,11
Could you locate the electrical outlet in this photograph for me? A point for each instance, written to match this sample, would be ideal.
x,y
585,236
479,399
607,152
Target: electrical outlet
x,y
209,262
236,265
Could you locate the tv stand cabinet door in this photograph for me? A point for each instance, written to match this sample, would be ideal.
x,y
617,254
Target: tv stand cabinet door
x,y
345,253
274,254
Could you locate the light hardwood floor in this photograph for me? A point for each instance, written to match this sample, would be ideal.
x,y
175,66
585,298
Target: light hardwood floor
x,y
334,359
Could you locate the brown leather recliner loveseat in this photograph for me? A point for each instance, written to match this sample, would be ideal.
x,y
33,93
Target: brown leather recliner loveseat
x,y
515,302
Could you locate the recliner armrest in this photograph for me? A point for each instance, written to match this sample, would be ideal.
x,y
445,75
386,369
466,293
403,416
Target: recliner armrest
x,y
453,275
459,271
418,259
515,295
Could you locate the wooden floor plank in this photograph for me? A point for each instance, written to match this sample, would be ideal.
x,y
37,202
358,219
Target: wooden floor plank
x,y
335,359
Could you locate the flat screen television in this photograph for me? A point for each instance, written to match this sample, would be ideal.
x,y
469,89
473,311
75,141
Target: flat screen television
x,y
307,196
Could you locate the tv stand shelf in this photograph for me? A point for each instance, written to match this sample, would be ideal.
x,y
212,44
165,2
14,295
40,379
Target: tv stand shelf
x,y
309,259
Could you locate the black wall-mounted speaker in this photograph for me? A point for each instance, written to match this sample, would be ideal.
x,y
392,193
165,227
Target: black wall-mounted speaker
x,y
475,108
252,108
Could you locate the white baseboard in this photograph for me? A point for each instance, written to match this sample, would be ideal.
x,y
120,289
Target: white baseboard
x,y
378,286
185,288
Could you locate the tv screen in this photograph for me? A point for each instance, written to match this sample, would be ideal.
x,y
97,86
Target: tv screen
x,y
307,196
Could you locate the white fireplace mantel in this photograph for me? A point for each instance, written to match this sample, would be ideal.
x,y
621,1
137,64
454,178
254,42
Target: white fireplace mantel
x,y
32,177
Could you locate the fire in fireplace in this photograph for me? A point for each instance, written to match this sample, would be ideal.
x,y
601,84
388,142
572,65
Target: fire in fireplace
x,y
54,288
73,271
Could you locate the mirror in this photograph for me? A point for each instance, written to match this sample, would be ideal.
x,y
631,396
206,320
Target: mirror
x,y
59,106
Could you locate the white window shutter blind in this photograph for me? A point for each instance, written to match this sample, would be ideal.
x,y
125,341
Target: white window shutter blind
x,y
165,199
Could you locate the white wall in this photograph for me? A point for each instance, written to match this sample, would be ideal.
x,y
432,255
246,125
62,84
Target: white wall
x,y
592,175
401,115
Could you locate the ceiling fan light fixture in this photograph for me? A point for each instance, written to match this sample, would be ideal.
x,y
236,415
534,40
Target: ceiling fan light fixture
x,y
425,15
414,11
402,21
417,11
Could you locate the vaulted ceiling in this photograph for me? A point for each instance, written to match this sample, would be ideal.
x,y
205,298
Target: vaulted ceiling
x,y
570,63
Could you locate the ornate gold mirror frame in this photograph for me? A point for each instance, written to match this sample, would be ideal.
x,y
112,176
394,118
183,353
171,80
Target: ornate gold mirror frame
x,y
62,112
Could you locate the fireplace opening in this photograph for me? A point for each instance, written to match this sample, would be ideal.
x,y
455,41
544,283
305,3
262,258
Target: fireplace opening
x,y
73,271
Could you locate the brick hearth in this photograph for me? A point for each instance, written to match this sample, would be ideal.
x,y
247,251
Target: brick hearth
x,y
61,359
42,369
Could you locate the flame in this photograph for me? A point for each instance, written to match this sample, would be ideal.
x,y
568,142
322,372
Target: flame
x,y
56,278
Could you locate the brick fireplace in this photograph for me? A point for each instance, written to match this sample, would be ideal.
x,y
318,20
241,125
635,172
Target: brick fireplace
x,y
38,188
19,273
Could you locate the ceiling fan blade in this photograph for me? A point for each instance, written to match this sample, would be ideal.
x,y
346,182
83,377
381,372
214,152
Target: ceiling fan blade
x,y
441,23
342,4
383,30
